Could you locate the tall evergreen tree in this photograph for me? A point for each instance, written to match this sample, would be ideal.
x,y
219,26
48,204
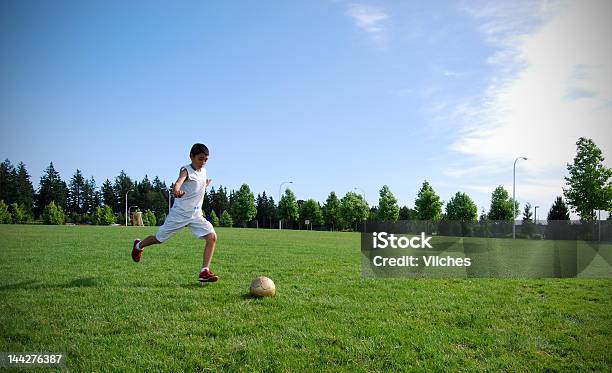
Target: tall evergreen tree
x,y
558,211
271,212
387,205
8,190
52,188
25,190
122,185
527,214
428,203
589,187
74,203
91,197
220,202
109,198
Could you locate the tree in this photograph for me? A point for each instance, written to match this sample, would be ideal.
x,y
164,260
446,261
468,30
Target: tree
x,y
461,208
558,210
428,204
528,227
288,208
8,191
122,185
331,211
501,205
243,209
311,211
149,219
588,186
104,216
25,190
387,205
220,202
406,213
109,198
18,214
353,210
5,215
226,219
52,189
214,220
266,210
74,202
53,215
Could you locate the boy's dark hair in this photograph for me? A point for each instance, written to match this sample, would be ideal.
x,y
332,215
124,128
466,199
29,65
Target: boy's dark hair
x,y
198,149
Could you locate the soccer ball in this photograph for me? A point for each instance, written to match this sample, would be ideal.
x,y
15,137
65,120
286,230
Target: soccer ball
x,y
263,287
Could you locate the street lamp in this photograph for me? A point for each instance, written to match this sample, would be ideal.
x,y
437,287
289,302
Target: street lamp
x,y
366,201
280,224
126,206
514,197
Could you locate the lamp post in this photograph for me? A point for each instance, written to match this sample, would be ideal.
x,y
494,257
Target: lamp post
x,y
366,201
514,197
535,214
280,224
169,199
126,206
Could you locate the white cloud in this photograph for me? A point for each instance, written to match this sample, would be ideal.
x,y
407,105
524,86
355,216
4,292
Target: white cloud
x,y
370,19
553,85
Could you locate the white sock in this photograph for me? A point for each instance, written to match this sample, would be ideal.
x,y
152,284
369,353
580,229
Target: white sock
x,y
204,269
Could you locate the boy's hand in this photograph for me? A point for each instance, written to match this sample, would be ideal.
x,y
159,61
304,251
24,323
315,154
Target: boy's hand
x,y
208,182
179,193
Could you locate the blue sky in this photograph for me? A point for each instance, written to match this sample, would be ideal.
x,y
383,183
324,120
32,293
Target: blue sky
x,y
333,95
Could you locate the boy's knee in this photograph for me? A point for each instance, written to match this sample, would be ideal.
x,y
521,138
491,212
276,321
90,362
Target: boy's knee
x,y
211,237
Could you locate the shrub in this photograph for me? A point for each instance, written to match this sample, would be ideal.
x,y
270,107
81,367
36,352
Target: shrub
x,y
148,218
226,219
214,220
5,215
52,215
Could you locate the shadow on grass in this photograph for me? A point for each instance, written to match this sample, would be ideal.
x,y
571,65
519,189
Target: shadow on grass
x,y
81,282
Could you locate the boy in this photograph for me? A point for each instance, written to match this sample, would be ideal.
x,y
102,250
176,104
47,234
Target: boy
x,y
187,211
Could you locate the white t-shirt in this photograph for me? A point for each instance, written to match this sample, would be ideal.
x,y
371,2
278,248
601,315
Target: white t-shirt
x,y
194,186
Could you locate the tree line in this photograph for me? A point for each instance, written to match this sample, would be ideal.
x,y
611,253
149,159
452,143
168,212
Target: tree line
x,y
81,201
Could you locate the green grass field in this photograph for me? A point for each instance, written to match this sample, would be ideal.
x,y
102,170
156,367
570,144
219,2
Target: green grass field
x,y
76,290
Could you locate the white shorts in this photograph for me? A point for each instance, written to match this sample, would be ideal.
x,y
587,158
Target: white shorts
x,y
197,224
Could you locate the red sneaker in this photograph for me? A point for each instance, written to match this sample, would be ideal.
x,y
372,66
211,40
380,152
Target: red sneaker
x,y
207,276
136,254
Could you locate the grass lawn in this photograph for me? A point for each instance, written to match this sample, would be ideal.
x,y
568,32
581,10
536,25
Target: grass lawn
x,y
76,290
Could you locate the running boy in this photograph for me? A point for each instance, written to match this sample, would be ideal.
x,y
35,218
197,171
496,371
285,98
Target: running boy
x,y
187,211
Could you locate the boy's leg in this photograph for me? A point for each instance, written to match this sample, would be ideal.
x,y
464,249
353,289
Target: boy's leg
x,y
209,249
206,275
140,245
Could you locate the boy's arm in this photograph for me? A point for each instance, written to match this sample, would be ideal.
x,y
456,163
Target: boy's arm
x,y
178,193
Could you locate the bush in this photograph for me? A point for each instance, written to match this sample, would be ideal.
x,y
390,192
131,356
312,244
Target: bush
x,y
52,215
162,219
5,215
19,214
148,218
214,220
103,216
226,219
